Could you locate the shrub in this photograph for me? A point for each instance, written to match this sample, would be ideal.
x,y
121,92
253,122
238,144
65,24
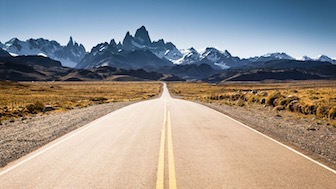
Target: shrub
x,y
272,97
321,111
35,108
262,101
234,97
287,100
240,103
292,105
279,108
243,97
309,109
98,99
332,113
252,99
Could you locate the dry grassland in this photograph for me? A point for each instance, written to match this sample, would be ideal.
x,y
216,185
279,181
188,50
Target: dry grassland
x,y
315,99
23,98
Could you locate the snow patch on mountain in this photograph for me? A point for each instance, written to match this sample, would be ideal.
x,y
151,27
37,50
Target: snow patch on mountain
x,y
324,58
42,54
222,65
173,55
304,58
212,54
13,54
271,56
189,56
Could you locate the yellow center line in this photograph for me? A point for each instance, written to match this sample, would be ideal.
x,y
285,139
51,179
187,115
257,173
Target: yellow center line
x,y
160,171
171,164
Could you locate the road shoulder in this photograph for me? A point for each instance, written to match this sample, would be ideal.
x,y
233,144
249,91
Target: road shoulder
x,y
22,137
304,135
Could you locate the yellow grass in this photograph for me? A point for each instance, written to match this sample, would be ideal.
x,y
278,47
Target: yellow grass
x,y
15,97
316,98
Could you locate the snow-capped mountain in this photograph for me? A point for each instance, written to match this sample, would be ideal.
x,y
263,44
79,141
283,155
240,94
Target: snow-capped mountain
x,y
321,58
119,56
68,55
271,56
149,53
139,51
305,58
115,54
324,58
217,58
189,56
142,41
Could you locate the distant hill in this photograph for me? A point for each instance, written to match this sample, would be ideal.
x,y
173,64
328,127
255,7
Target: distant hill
x,y
320,72
273,75
4,53
37,68
192,71
31,60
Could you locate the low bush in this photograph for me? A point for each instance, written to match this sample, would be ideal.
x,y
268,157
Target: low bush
x,y
262,101
332,113
35,108
253,99
292,105
287,100
240,103
98,99
321,111
272,98
234,97
279,108
309,109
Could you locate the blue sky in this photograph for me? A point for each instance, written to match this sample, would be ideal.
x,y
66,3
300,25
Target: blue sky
x,y
243,27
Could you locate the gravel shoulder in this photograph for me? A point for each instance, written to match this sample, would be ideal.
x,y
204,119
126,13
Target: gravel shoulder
x,y
22,137
305,135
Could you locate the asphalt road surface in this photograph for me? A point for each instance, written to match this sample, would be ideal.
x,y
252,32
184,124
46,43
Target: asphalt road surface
x,y
166,143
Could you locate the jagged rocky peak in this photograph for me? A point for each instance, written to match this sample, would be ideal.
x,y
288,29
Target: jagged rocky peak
x,y
113,43
70,43
324,58
127,42
160,42
227,53
142,35
12,41
193,50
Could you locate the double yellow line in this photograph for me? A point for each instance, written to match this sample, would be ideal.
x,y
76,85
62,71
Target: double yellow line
x,y
171,164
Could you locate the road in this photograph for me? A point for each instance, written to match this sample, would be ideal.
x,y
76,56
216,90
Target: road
x,y
165,143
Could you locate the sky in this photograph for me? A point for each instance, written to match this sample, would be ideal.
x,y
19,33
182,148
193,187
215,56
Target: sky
x,y
245,28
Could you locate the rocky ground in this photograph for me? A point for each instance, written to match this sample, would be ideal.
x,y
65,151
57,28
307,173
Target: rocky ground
x,y
306,135
24,136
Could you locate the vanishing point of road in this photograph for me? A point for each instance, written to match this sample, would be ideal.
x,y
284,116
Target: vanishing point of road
x,y
166,143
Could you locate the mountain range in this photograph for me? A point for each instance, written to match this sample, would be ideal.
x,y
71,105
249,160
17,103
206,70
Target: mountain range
x,y
68,55
139,52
